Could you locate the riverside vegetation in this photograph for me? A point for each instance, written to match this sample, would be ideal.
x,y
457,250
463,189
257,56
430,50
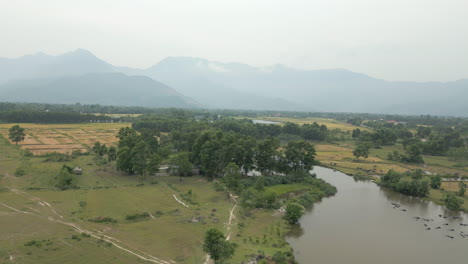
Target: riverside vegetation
x,y
118,196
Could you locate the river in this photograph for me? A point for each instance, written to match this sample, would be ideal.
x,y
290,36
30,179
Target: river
x,y
359,225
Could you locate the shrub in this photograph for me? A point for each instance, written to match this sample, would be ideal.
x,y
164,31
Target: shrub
x,y
20,172
294,211
137,216
101,219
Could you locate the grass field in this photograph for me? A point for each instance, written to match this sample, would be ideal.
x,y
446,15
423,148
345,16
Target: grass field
x,y
42,225
330,123
65,138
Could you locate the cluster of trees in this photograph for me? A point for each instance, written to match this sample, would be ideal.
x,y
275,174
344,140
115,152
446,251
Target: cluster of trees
x,y
412,183
23,116
102,151
138,153
245,127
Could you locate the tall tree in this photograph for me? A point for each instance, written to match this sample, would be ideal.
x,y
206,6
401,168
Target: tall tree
x,y
183,164
232,177
361,150
267,154
216,245
299,155
16,134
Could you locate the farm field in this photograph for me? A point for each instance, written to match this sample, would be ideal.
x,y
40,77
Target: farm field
x,y
44,225
65,138
330,123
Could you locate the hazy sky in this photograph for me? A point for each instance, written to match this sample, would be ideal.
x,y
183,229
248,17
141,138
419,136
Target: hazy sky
x,y
418,40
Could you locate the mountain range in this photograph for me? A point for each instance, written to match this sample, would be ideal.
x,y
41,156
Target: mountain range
x,y
79,76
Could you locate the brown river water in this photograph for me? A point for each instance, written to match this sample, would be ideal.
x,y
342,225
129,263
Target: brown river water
x,y
360,225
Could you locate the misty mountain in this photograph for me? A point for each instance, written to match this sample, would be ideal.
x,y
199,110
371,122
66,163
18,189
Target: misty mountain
x,y
41,65
334,90
95,88
240,86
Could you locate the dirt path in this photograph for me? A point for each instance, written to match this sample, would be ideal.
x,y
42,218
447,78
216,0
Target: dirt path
x,y
179,201
232,216
98,235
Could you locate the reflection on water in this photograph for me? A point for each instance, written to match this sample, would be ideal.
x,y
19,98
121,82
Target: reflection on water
x,y
361,224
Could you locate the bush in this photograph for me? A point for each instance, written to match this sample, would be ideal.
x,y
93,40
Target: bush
x,y
101,219
294,211
452,201
56,157
20,172
137,216
65,180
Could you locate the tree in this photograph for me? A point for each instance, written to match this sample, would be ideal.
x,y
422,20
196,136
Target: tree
x,y
452,201
99,148
413,154
266,154
436,181
65,180
462,188
124,162
300,155
294,211
356,133
153,164
232,177
361,150
111,153
16,134
139,157
183,164
216,245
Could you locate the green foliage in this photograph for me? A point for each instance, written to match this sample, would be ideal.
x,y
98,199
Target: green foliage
x,y
452,201
436,181
190,197
361,150
20,171
409,184
232,178
124,160
216,245
299,155
413,154
56,157
102,219
65,179
283,257
111,153
99,149
182,163
294,211
16,134
137,216
462,188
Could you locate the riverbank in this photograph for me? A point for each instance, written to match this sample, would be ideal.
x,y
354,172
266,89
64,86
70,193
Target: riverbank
x,y
435,195
360,224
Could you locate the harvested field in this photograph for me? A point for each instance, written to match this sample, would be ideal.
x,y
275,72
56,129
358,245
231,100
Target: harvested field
x,y
451,186
65,138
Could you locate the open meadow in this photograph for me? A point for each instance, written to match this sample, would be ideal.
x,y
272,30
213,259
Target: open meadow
x,y
116,218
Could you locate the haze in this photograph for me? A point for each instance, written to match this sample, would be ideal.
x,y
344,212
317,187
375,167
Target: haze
x,y
418,40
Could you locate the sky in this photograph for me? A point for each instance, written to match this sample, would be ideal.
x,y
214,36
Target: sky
x,y
404,40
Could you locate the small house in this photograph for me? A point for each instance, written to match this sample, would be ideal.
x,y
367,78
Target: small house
x,y
77,171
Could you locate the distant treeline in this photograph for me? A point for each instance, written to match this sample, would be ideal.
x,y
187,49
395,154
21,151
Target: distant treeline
x,y
214,114
50,117
244,127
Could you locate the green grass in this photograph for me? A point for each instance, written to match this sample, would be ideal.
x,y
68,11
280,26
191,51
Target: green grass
x,y
175,233
282,189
